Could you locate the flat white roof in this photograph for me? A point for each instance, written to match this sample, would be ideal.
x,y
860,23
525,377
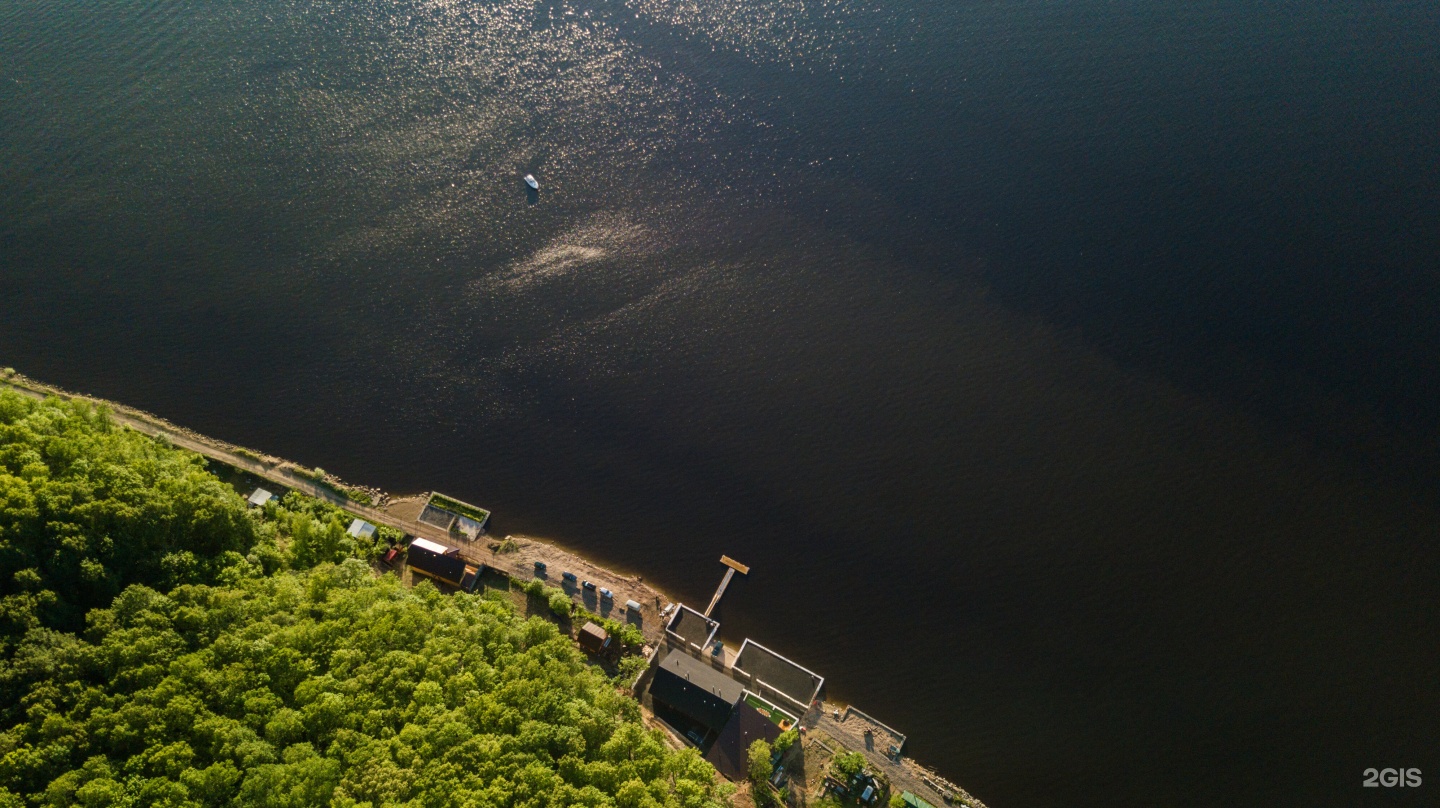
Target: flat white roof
x,y
260,497
360,527
426,544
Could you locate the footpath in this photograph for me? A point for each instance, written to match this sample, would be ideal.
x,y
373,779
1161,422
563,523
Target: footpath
x,y
519,565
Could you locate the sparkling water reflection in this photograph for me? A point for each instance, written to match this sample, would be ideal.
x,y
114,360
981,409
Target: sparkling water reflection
x,y
1018,347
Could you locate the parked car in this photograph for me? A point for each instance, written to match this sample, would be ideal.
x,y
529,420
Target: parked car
x,y
540,567
569,576
606,594
588,586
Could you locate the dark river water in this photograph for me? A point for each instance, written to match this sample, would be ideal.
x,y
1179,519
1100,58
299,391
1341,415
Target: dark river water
x,y
1066,371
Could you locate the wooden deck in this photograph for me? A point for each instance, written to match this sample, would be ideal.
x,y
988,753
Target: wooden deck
x,y
735,566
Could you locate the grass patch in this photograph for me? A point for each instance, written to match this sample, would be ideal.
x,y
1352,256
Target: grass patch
x,y
456,506
776,717
317,474
362,497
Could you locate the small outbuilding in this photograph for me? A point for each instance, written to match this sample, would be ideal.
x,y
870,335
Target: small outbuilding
x,y
261,497
361,529
594,639
432,547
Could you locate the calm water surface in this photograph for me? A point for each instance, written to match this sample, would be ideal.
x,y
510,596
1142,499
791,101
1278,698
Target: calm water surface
x,y
1065,370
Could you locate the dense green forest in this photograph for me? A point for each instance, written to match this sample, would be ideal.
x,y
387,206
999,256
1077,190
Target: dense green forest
x,y
163,646
87,508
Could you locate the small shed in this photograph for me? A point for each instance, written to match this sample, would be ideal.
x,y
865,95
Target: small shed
x,y
260,497
593,638
361,529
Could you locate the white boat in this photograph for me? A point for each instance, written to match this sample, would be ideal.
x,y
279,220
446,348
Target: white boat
x,y
532,182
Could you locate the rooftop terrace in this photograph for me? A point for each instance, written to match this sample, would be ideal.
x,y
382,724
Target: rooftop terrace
x,y
799,684
692,626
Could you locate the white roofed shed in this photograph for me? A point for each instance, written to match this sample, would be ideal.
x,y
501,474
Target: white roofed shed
x,y
436,548
361,529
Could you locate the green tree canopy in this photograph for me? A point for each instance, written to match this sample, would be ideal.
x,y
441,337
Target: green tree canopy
x,y
758,758
787,739
163,645
328,687
847,764
87,508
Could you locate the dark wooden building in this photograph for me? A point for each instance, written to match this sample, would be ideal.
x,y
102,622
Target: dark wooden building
x,y
694,697
729,754
442,564
594,639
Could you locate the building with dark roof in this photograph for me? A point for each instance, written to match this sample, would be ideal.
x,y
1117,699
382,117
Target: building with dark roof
x,y
728,754
694,697
448,568
593,638
771,675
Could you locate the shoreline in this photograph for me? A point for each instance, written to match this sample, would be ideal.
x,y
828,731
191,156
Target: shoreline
x,y
840,723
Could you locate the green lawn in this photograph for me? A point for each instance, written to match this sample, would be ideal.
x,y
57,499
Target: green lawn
x,y
776,717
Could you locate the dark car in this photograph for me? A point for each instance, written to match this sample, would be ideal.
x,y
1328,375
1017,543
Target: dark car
x,y
589,586
569,576
540,567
